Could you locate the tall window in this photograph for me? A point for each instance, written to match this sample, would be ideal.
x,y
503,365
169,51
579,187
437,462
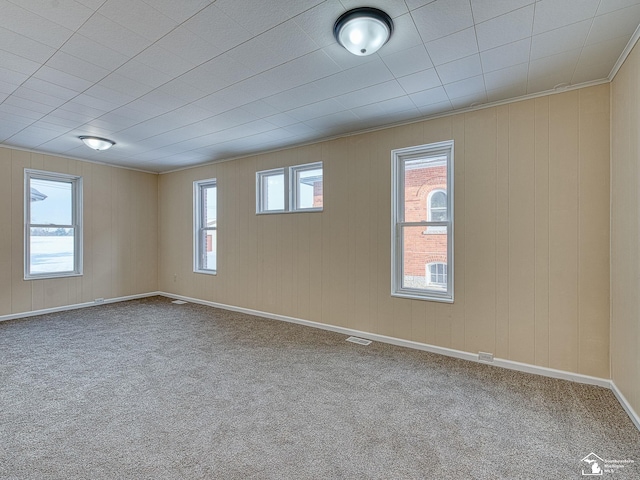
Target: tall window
x,y
53,225
422,242
205,226
292,189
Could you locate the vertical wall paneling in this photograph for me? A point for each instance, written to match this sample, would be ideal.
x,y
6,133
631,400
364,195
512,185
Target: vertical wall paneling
x,y
7,198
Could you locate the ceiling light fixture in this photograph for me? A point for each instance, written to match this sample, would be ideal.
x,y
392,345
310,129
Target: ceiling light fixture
x,y
363,30
97,143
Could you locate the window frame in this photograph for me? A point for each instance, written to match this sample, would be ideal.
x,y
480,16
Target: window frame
x,y
199,213
76,225
445,272
398,159
290,188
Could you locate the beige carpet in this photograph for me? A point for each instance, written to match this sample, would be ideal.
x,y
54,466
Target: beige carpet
x,y
151,390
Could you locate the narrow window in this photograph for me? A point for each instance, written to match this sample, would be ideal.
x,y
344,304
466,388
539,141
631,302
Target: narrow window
x,y
293,189
422,242
205,226
53,225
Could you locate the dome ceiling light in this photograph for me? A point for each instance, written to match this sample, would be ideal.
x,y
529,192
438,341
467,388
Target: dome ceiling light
x,y
97,143
363,30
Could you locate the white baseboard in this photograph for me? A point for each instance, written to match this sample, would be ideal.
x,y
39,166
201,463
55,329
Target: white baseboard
x,y
635,418
76,306
498,362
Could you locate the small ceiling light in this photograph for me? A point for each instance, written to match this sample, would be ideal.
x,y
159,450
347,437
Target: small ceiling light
x,y
97,143
363,30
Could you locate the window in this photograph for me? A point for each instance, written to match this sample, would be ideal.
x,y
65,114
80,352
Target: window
x,y
422,238
53,225
292,189
437,275
205,226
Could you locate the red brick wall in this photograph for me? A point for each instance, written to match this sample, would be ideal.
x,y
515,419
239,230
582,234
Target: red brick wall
x,y
421,248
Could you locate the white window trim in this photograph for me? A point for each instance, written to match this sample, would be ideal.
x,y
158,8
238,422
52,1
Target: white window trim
x,y
198,216
398,157
290,189
76,214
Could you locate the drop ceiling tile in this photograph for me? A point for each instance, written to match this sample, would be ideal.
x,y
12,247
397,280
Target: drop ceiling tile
x,y
68,13
552,14
393,8
112,122
36,27
33,136
61,144
104,104
436,108
162,99
501,79
587,71
296,97
147,108
49,89
559,40
125,85
385,108
81,109
255,17
189,46
60,78
164,61
141,18
613,25
469,101
12,78
24,115
607,6
561,63
217,29
419,81
64,122
405,35
466,87
257,56
144,74
314,21
37,97
377,93
93,52
6,89
315,110
460,69
302,70
547,83
17,63
442,18
281,120
408,61
507,92
453,47
179,11
24,46
506,28
484,10
217,74
106,32
345,60
604,52
334,123
506,56
429,97
288,40
355,78
77,67
182,90
260,109
413,4
216,103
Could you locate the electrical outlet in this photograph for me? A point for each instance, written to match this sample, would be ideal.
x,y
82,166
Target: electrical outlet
x,y
99,300
485,357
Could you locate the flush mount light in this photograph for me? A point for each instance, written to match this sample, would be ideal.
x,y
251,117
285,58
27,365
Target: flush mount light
x,y
363,30
97,143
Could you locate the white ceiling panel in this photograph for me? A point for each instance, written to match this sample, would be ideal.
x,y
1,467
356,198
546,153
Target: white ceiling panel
x,y
441,18
177,83
505,29
484,10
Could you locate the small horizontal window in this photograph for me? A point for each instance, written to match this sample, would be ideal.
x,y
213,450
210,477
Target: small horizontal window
x,y
293,189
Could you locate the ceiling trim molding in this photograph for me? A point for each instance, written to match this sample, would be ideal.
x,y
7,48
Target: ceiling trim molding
x,y
482,106
625,53
69,157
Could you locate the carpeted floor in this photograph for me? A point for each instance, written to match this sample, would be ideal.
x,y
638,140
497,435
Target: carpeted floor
x,y
151,390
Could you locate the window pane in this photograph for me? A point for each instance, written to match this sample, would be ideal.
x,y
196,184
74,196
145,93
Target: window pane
x,y
209,203
309,187
209,248
421,250
51,202
51,250
273,192
422,177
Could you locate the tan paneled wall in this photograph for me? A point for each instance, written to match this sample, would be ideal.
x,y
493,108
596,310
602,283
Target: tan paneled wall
x,y
625,259
120,234
531,235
